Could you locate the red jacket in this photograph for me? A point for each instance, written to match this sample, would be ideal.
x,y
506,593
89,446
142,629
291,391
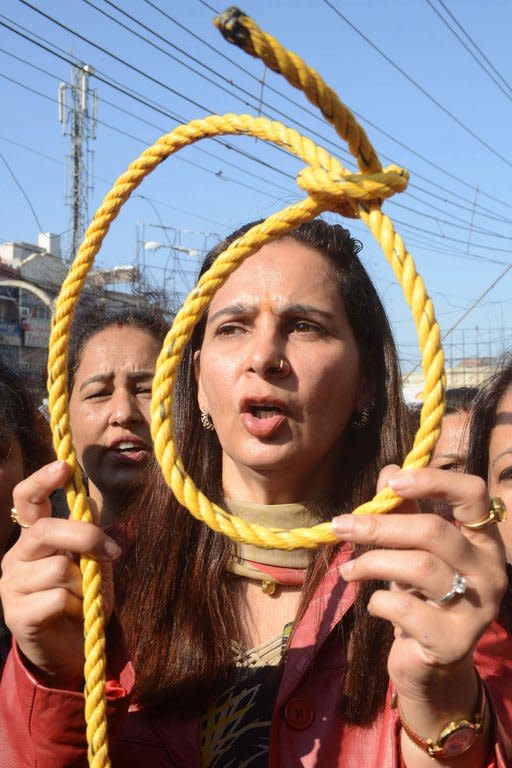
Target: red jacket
x,y
43,728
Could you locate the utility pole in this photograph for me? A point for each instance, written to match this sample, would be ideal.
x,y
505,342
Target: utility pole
x,y
79,123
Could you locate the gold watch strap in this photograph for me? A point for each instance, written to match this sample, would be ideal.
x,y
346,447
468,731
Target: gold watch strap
x,y
435,748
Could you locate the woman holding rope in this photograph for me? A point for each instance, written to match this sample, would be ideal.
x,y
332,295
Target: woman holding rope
x,y
382,651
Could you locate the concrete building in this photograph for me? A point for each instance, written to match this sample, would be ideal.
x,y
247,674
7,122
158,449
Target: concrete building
x,y
30,280
468,372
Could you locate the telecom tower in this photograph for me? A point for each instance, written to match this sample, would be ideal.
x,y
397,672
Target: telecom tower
x,y
79,122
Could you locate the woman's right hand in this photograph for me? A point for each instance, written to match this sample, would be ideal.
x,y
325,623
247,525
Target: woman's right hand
x,y
41,584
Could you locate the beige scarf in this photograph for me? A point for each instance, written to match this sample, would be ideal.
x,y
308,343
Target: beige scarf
x,y
286,516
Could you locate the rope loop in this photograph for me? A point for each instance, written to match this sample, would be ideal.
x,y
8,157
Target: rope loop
x,y
329,187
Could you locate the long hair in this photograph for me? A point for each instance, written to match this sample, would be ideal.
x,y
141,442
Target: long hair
x,y
176,601
20,418
483,420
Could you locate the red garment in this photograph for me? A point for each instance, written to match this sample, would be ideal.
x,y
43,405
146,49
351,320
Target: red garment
x,y
43,728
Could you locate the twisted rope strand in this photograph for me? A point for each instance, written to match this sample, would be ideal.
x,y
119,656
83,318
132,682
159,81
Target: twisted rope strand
x,y
329,186
241,30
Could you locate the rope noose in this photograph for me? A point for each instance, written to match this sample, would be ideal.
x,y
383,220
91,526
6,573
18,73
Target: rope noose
x,y
329,187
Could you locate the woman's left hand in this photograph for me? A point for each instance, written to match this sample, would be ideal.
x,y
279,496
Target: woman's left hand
x,y
420,556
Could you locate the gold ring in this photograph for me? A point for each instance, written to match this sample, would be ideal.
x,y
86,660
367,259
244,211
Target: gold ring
x,y
15,519
497,514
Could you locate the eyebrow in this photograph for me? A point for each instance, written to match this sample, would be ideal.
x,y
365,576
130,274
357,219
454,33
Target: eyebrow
x,y
500,456
449,456
104,377
289,309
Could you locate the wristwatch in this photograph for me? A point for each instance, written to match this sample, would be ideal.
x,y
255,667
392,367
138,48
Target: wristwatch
x,y
456,737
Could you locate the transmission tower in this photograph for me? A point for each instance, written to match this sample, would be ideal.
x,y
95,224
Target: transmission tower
x,y
79,122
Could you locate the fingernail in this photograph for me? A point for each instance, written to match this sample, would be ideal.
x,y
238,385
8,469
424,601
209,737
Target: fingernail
x,y
343,525
112,549
347,568
402,481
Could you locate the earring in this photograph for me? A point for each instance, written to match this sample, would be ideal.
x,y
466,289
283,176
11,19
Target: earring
x,y
360,420
206,421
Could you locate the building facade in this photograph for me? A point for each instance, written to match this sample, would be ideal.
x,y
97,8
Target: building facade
x,y
30,280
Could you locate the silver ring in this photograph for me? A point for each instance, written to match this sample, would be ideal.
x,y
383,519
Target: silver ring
x,y
458,588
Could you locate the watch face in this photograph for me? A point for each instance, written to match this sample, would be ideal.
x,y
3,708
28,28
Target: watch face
x,y
458,741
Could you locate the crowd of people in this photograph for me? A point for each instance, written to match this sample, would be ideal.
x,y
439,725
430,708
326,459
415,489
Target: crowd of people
x,y
390,649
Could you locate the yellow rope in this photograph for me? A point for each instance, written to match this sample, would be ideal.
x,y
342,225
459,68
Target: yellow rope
x,y
329,187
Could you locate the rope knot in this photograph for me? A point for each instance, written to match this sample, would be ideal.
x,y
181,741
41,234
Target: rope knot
x,y
345,192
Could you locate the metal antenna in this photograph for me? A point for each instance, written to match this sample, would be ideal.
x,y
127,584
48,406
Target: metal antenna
x,y
79,122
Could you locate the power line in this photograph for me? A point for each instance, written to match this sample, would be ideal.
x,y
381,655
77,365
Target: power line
x,y
404,224
255,106
467,311
20,187
419,87
449,222
154,80
151,200
133,95
456,240
144,142
488,215
482,54
210,7
152,106
159,128
468,49
317,116
223,143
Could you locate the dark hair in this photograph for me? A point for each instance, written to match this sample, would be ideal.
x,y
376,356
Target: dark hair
x,y
483,420
89,321
176,599
19,417
459,399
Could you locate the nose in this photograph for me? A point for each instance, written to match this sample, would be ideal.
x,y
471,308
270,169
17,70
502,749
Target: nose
x,y
124,407
267,353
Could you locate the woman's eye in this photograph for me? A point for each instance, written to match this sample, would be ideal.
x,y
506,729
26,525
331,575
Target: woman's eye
x,y
505,474
305,326
229,329
143,390
452,466
97,395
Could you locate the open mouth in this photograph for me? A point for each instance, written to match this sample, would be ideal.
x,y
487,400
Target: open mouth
x,y
128,447
129,450
265,411
263,418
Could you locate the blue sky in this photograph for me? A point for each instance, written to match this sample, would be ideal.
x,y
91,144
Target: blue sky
x,y
455,217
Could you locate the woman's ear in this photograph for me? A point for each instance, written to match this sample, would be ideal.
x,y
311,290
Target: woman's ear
x,y
197,366
201,397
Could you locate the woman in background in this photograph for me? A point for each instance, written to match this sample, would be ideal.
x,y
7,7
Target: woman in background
x,y
112,359
452,447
